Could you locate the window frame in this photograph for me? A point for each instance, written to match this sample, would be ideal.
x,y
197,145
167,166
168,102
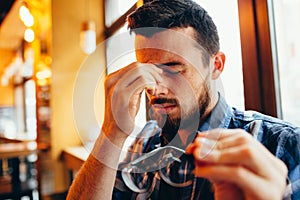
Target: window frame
x,y
118,23
260,68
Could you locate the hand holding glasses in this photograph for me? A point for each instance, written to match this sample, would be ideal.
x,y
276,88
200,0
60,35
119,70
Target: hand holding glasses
x,y
169,162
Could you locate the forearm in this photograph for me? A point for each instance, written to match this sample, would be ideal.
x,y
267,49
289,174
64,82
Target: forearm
x,y
96,178
94,181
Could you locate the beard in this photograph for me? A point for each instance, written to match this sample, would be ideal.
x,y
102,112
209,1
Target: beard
x,y
189,120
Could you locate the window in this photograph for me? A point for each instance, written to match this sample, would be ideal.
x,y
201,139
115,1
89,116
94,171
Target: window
x,y
30,109
286,20
115,9
228,28
119,50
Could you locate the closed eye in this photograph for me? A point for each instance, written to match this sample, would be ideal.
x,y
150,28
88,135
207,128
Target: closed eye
x,y
171,63
171,71
171,68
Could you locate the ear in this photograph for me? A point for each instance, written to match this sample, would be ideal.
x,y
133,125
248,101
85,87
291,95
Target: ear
x,y
219,61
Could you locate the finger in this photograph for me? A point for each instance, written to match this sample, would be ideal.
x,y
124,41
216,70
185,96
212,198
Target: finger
x,y
228,138
133,67
244,155
206,141
147,76
218,133
190,148
245,179
202,138
231,137
136,84
239,149
248,141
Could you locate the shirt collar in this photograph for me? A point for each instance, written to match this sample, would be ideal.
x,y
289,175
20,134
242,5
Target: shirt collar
x,y
219,117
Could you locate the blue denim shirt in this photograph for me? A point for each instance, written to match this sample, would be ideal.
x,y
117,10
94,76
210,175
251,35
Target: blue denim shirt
x,y
280,138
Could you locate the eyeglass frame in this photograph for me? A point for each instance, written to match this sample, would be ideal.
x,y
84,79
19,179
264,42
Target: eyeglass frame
x,y
167,158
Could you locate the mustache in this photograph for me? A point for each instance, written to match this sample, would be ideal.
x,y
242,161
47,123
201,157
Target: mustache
x,y
163,100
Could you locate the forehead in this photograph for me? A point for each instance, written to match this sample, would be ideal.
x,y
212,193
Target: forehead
x,y
179,43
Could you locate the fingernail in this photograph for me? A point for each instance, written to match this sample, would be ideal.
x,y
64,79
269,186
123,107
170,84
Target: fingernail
x,y
206,147
190,148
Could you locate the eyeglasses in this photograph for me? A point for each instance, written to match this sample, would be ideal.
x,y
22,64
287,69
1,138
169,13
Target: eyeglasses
x,y
169,162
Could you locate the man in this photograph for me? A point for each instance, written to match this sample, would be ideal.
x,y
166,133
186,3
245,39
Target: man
x,y
197,147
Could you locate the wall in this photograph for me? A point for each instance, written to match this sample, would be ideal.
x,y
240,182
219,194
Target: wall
x,y
67,59
7,95
6,92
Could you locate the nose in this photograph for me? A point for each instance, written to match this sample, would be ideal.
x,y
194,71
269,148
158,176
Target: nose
x,y
158,90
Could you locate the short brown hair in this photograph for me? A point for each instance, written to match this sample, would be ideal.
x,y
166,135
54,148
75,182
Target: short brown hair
x,y
177,14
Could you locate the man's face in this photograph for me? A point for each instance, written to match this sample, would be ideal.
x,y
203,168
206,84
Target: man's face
x,y
183,95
